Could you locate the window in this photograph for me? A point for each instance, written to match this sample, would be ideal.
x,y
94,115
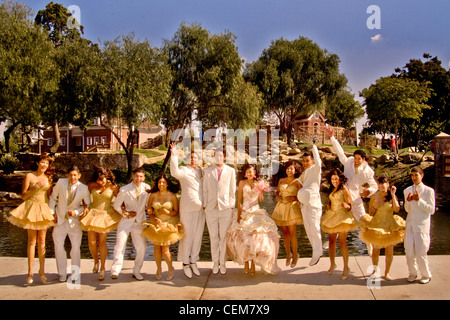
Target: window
x,y
49,142
96,140
103,140
78,142
63,141
89,141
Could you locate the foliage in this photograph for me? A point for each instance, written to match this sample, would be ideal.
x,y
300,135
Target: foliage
x,y
9,164
27,69
392,101
435,119
343,110
295,77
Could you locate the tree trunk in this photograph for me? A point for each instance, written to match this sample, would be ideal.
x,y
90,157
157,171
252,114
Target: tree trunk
x,y
7,135
57,136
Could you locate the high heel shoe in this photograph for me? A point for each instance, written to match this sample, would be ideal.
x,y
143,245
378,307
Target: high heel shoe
x,y
288,261
170,274
345,274
29,279
95,269
158,274
101,275
246,268
294,262
330,271
43,278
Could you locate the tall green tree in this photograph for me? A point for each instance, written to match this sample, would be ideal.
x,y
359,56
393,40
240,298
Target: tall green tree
x,y
58,110
207,81
391,101
26,68
435,119
135,84
295,76
344,110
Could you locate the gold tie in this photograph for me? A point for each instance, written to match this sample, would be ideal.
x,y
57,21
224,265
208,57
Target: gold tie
x,y
138,191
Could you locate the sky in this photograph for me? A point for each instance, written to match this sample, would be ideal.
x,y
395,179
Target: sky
x,y
404,29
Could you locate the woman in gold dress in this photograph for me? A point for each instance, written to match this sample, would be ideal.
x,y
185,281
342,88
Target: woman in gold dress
x,y
164,227
287,213
381,227
34,214
100,218
338,220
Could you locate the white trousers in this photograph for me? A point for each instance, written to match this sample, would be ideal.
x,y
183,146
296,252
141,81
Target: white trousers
x,y
358,209
311,221
218,221
416,247
60,232
190,245
139,243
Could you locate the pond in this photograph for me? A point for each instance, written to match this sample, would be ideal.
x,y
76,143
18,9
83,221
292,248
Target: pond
x,y
13,240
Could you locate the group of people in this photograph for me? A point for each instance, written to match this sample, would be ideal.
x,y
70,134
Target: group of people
x,y
238,227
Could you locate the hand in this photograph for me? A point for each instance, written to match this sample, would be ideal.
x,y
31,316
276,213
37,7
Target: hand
x,y
409,197
346,206
365,194
393,191
329,131
416,196
172,148
132,214
71,213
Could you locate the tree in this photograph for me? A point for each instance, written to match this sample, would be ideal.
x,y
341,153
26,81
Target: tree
x,y
435,119
54,20
207,81
343,110
392,101
134,85
295,76
27,68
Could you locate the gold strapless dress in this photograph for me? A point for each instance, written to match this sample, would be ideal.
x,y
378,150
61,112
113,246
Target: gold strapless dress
x,y
287,212
338,219
170,232
383,229
102,217
34,213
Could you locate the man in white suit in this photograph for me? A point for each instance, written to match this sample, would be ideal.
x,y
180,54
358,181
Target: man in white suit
x,y
219,198
192,216
67,201
131,203
420,205
311,204
359,174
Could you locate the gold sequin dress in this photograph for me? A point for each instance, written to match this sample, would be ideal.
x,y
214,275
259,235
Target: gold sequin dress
x,y
338,219
34,213
102,217
171,231
287,212
383,229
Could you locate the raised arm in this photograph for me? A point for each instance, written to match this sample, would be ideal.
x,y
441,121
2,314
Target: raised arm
x,y
174,170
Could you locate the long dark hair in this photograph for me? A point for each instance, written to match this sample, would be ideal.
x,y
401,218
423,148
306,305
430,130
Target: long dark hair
x,y
248,166
51,172
384,179
342,179
100,172
170,185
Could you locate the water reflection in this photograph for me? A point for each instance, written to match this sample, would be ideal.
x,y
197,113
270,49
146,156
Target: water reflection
x,y
13,240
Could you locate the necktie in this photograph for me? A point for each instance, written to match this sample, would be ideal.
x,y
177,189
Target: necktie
x,y
71,190
220,173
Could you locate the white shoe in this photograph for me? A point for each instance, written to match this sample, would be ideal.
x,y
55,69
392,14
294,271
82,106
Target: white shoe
x,y
215,269
138,276
62,278
314,261
187,271
114,275
195,269
424,280
223,269
412,278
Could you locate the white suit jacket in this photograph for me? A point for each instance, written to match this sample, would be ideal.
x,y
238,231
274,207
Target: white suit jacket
x,y
59,198
355,180
419,212
128,196
220,193
311,180
191,185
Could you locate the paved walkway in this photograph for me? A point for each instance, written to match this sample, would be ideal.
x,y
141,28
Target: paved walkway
x,y
300,283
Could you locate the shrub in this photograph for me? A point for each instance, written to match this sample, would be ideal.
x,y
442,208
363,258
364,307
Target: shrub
x,y
9,164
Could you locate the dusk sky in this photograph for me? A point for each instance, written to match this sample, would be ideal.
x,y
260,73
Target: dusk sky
x,y
409,28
